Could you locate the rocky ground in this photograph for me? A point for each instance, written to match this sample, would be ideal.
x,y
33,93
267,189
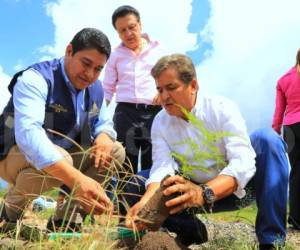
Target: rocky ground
x,y
237,231
220,234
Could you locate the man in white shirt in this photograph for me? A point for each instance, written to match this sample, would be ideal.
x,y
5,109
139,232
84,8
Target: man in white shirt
x,y
177,85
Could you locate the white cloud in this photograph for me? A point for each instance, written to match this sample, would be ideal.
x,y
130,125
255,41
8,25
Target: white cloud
x,y
170,27
254,43
19,66
4,81
70,16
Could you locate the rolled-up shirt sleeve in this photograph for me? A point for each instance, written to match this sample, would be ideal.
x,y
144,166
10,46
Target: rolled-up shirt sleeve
x,y
163,162
29,97
239,152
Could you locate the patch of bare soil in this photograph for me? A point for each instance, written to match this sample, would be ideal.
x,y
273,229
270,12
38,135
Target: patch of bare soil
x,y
127,243
158,241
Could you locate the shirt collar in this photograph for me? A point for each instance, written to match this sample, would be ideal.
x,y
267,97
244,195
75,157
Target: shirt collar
x,y
197,107
151,43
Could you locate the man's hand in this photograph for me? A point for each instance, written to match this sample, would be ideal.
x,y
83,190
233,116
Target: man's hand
x,y
91,196
87,191
190,194
132,220
101,152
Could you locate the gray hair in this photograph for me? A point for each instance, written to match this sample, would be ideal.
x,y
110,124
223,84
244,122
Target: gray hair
x,y
181,63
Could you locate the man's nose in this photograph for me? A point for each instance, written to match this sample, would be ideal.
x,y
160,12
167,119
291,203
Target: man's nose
x,y
128,32
90,73
164,95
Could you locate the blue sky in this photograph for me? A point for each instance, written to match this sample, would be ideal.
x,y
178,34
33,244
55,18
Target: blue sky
x,y
25,29
238,46
29,29
201,12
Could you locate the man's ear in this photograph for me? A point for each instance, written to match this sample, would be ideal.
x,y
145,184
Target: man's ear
x,y
194,85
69,50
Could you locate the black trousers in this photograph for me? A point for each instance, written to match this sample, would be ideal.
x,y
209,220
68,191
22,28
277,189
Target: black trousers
x,y
292,138
133,123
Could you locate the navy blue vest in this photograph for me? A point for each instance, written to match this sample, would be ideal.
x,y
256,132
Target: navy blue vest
x,y
59,109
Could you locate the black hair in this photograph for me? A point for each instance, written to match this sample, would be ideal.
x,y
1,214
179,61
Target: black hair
x,y
91,38
122,11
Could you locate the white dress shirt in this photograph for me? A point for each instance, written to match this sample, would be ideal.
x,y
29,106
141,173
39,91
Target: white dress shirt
x,y
169,134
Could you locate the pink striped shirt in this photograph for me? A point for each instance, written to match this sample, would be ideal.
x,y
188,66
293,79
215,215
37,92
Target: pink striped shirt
x,y
128,75
287,110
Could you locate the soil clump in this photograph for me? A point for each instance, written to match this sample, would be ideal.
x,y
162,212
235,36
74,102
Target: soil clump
x,y
155,212
158,241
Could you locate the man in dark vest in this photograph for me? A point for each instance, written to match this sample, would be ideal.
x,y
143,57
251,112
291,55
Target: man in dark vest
x,y
57,110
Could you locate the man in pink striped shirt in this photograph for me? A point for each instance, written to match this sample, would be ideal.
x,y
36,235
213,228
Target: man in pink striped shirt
x,y
128,76
287,113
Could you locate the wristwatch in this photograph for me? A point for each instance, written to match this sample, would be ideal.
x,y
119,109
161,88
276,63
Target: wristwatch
x,y
208,196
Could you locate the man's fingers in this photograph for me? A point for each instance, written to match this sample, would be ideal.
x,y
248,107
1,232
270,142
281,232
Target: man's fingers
x,y
97,161
178,188
93,206
132,223
131,216
178,200
102,160
106,160
174,179
129,221
101,207
97,200
178,209
102,197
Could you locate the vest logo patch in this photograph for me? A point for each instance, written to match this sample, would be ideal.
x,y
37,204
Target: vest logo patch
x,y
94,110
58,108
9,122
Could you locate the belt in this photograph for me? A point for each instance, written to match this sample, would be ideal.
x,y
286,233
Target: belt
x,y
139,106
